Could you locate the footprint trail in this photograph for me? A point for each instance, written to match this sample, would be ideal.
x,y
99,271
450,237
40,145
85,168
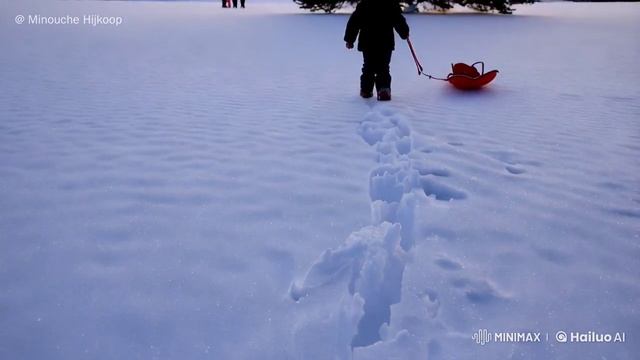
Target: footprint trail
x,y
371,262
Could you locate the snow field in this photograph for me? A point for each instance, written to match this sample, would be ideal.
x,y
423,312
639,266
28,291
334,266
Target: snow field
x,y
206,183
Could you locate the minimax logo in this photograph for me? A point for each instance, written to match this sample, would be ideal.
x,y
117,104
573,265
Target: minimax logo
x,y
482,336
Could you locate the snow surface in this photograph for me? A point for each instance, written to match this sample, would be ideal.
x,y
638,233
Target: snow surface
x,y
205,183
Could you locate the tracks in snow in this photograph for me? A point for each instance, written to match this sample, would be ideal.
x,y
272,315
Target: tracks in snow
x,y
372,260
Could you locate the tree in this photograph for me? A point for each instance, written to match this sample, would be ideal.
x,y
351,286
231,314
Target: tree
x,y
501,6
322,5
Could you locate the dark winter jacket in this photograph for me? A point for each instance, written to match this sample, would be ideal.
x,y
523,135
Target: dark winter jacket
x,y
375,20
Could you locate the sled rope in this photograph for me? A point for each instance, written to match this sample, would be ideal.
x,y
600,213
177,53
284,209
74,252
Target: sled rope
x,y
418,65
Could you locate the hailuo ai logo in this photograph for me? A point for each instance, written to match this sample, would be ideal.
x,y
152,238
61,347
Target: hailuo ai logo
x,y
482,336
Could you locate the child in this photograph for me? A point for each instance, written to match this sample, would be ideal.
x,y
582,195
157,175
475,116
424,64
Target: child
x,y
374,21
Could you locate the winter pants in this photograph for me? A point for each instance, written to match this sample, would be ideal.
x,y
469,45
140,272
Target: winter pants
x,y
375,70
235,3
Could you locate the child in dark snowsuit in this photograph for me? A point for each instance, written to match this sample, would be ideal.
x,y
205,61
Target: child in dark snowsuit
x,y
373,22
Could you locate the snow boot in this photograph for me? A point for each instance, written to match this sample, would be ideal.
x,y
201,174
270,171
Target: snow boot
x,y
384,94
366,94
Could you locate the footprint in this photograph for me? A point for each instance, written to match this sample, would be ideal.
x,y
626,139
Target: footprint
x,y
448,264
515,170
370,263
512,160
440,191
387,183
478,291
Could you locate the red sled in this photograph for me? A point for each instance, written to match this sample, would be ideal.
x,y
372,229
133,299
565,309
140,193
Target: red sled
x,y
462,76
465,77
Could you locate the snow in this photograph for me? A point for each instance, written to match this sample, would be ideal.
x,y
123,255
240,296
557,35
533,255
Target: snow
x,y
206,183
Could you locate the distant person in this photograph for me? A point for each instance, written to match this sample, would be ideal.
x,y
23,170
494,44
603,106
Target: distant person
x,y
226,3
235,3
373,23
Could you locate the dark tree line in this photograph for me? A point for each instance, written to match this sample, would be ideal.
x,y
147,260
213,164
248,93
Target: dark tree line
x,y
501,6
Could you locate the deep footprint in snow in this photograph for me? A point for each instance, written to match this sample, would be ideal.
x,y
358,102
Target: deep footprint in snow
x,y
371,261
441,191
